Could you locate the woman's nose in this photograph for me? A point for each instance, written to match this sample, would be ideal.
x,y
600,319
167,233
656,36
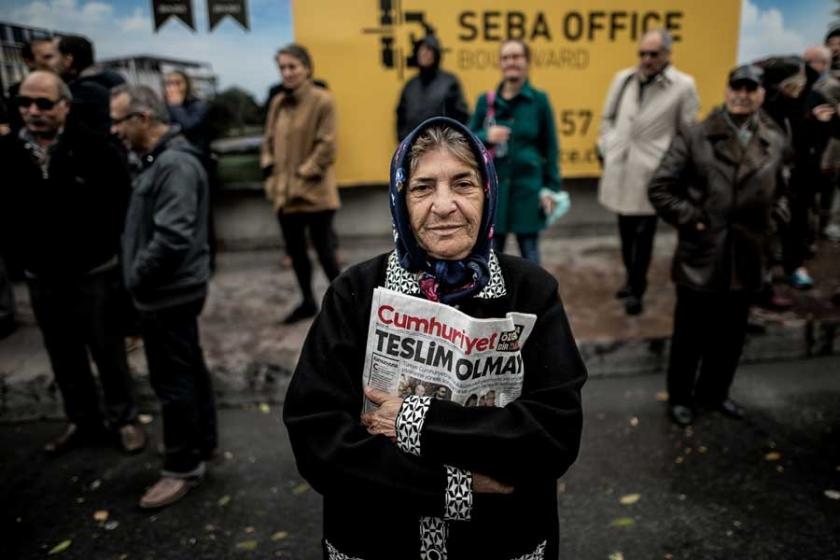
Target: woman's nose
x,y
444,201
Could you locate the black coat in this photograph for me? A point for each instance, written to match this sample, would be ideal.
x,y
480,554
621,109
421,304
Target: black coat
x,y
430,94
706,177
374,493
69,222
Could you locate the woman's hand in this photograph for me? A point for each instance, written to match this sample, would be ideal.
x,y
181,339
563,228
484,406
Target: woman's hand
x,y
547,204
383,420
483,484
498,134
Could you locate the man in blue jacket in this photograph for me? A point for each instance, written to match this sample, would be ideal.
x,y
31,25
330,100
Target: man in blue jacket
x,y
166,266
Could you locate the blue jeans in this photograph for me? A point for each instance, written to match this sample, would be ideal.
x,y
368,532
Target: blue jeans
x,y
528,246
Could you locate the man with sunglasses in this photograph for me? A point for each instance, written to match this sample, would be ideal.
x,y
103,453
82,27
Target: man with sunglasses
x,y
721,186
65,193
644,107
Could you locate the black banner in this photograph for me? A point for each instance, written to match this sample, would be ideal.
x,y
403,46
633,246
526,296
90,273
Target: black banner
x,y
179,9
218,9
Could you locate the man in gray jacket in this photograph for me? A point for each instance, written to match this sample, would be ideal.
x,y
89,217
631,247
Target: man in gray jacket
x,y
166,265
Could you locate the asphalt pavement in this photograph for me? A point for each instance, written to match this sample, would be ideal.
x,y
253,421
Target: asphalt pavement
x,y
766,487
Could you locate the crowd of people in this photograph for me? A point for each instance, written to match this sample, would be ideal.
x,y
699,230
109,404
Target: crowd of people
x,y
108,198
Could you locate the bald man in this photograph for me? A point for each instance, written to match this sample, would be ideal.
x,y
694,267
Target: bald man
x,y
66,192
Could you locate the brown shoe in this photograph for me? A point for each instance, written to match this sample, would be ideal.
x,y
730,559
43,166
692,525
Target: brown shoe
x,y
132,438
166,491
72,438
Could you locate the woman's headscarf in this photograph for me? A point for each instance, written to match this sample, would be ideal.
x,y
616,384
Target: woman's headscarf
x,y
446,281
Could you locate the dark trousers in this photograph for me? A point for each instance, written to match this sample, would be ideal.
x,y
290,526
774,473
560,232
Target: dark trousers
x,y
182,383
798,234
321,234
77,316
7,296
637,233
709,331
528,245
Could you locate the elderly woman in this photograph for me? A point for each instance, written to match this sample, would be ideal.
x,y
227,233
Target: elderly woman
x,y
423,477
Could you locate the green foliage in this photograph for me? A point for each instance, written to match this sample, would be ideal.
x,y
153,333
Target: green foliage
x,y
234,112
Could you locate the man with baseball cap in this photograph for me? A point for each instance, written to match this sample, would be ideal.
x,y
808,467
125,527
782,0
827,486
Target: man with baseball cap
x,y
720,185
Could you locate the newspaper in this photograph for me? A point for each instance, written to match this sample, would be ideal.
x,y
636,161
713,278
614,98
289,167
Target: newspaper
x,y
419,347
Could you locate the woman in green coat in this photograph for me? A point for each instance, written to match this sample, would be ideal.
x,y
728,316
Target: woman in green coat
x,y
517,123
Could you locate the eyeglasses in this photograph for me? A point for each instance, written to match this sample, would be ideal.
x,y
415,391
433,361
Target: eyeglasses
x,y
43,103
121,120
651,54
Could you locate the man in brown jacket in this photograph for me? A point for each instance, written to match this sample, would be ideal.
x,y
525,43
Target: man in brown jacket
x,y
720,184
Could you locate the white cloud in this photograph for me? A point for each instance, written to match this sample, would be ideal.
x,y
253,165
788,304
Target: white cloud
x,y
137,21
763,33
241,59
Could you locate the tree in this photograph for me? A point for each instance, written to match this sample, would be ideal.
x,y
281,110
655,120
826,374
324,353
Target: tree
x,y
232,112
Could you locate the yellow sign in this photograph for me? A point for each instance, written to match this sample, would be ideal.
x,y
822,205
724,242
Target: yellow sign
x,y
361,48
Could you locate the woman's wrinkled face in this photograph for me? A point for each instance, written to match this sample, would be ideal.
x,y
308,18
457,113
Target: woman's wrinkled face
x,y
445,200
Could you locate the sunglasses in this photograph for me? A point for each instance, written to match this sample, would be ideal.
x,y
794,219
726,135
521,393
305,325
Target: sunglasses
x,y
651,54
125,118
43,104
748,86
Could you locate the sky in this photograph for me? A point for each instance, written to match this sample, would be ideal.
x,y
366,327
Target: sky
x,y
245,58
124,27
771,27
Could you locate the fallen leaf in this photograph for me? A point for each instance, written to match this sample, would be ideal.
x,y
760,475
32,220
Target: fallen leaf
x,y
702,449
634,422
279,535
228,455
832,494
101,516
264,408
300,489
737,523
224,500
111,525
95,484
80,500
249,530
679,460
630,499
209,528
616,556
780,469
622,522
145,418
60,547
247,545
661,396
773,456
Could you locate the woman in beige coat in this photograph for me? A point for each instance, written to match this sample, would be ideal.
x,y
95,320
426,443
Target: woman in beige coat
x,y
297,158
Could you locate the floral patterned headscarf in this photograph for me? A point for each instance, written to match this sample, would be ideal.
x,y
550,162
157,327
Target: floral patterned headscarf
x,y
446,281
